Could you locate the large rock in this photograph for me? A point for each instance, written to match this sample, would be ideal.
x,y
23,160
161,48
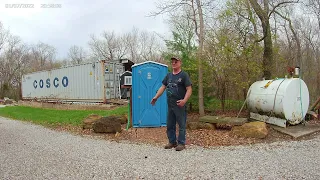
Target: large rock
x,y
199,125
88,121
233,121
251,130
205,126
108,124
122,118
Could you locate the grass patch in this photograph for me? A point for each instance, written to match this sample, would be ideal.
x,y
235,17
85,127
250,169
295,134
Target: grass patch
x,y
54,117
215,104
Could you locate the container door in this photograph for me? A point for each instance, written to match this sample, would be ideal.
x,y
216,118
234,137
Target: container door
x,y
149,81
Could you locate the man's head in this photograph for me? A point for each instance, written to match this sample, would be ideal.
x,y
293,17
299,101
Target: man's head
x,y
176,63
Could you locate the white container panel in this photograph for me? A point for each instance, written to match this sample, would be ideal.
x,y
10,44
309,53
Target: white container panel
x,y
283,98
76,83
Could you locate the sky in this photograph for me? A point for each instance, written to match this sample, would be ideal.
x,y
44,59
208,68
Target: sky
x,y
72,22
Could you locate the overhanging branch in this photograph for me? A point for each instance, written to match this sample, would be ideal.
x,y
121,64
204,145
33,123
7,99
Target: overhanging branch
x,y
279,4
169,8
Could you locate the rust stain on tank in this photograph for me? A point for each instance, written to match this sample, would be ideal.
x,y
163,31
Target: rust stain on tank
x,y
296,118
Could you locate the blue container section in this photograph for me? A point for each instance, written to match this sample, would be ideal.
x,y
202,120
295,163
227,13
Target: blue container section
x,y
146,80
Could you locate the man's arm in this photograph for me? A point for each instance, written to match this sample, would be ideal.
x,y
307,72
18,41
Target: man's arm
x,y
159,93
188,93
186,97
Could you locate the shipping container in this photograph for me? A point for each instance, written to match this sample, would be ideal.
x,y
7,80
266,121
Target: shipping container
x,y
90,82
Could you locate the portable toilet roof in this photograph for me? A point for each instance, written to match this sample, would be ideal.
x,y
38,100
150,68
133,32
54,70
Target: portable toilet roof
x,y
148,62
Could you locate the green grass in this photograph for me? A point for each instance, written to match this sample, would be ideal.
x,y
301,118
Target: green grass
x,y
229,104
212,104
53,116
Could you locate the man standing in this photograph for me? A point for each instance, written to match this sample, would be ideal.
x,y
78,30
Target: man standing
x,y
178,85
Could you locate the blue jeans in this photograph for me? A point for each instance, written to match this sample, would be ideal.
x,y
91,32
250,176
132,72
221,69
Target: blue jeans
x,y
176,115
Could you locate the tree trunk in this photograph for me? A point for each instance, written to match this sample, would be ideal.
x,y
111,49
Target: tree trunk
x,y
318,81
200,58
267,40
223,95
268,52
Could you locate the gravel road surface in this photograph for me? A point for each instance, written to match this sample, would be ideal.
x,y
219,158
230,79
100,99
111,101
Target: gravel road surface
x,y
33,152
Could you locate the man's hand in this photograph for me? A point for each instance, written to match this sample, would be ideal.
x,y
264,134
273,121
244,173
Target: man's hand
x,y
181,102
158,94
153,101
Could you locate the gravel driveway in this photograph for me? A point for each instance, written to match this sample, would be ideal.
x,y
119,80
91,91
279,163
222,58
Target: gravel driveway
x,y
33,152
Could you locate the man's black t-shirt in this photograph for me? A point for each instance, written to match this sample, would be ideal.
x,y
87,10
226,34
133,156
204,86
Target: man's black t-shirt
x,y
176,85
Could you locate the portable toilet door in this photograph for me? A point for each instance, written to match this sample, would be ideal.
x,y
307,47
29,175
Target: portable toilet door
x,y
146,80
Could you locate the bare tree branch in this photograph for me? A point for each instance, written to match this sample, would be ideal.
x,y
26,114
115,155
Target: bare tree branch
x,y
3,36
279,4
43,54
77,54
168,7
295,37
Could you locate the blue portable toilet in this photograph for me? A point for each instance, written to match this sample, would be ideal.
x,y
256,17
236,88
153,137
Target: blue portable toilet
x,y
146,80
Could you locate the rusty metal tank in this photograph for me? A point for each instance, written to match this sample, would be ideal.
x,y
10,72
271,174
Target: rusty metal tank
x,y
281,99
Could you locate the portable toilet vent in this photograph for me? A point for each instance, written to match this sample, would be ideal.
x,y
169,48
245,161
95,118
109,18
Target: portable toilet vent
x,y
280,101
146,80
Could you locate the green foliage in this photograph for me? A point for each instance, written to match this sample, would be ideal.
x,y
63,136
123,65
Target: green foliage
x,y
234,55
182,45
281,61
7,90
214,104
5,87
232,59
53,116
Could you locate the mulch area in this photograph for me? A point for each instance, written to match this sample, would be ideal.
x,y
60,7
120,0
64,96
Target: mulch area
x,y
199,137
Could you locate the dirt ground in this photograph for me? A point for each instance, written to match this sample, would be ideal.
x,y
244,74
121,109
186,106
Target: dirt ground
x,y
158,137
74,106
201,137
